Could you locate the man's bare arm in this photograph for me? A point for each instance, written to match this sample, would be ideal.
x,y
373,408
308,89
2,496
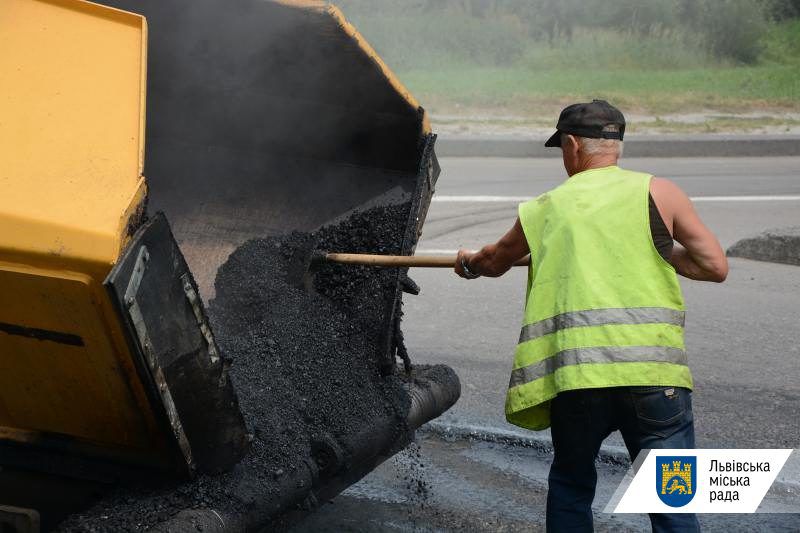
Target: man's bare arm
x,y
494,260
700,257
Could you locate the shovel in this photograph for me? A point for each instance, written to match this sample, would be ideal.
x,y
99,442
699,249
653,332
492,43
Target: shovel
x,y
426,261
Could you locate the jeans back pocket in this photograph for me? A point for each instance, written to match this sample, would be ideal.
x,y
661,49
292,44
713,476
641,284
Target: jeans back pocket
x,y
661,410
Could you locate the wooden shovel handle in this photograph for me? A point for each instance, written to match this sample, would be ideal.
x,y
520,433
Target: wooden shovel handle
x,y
429,261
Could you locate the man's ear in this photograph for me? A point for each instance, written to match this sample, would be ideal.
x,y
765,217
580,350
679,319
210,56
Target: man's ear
x,y
572,144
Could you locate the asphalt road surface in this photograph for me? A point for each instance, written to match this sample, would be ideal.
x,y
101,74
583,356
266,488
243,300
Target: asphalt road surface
x,y
742,339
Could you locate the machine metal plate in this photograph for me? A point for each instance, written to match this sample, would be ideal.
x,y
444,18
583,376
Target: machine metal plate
x,y
168,329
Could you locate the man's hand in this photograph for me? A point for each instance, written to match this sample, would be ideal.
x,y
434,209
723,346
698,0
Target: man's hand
x,y
493,260
462,267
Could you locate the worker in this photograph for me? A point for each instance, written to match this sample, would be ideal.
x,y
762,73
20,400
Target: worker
x,y
601,347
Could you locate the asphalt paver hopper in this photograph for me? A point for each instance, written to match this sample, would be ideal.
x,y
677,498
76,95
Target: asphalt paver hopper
x,y
261,118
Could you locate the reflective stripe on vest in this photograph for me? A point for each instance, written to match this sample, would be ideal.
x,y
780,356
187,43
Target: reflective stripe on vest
x,y
597,355
602,317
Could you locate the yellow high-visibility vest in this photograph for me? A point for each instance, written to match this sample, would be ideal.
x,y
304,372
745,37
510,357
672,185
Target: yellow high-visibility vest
x,y
603,308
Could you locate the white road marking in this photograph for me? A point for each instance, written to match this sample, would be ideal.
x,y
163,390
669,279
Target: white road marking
x,y
777,198
519,199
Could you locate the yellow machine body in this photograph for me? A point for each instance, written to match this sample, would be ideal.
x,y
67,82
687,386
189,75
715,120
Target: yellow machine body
x,y
71,158
264,117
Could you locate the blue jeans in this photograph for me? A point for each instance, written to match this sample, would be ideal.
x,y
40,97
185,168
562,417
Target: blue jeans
x,y
647,417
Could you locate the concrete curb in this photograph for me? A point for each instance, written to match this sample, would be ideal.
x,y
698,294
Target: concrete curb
x,y
635,146
776,246
616,455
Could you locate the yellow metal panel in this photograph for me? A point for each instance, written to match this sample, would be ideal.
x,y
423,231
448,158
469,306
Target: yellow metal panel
x,y
71,132
80,389
72,89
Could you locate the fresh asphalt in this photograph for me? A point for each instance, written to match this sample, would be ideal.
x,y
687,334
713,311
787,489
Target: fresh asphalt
x,y
741,338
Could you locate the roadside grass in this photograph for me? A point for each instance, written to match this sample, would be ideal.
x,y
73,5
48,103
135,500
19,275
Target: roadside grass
x,y
781,44
457,66
531,92
488,123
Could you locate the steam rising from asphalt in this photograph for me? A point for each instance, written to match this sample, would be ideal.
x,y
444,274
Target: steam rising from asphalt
x,y
261,119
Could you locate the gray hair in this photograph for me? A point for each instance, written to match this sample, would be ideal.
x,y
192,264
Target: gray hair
x,y
597,146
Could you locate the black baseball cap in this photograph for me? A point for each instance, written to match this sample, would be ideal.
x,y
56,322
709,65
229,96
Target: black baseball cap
x,y
595,120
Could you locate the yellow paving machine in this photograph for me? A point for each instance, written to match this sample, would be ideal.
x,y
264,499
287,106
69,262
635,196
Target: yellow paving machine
x,y
141,142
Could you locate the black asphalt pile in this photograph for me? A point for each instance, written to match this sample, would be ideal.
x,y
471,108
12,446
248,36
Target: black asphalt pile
x,y
305,357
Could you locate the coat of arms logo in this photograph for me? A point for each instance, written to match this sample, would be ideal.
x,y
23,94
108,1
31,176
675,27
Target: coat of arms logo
x,y
676,480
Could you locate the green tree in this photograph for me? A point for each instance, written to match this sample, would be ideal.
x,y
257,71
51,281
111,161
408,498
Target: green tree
x,y
730,28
